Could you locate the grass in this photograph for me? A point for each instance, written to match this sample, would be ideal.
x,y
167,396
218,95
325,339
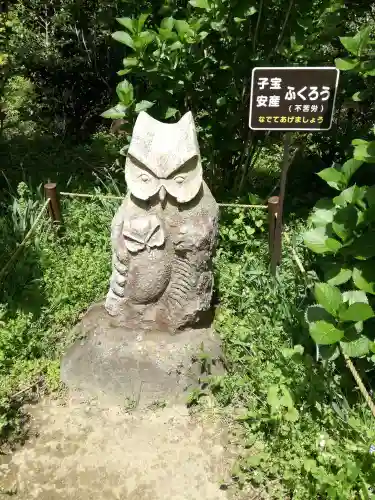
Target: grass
x,y
305,432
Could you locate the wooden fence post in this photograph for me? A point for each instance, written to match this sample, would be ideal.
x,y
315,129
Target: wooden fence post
x,y
273,208
50,191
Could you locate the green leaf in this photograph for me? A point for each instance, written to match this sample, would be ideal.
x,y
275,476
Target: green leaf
x,y
357,142
356,348
167,23
273,397
143,39
292,415
354,296
356,44
351,44
317,313
286,397
349,168
346,64
353,195
337,274
203,35
176,46
130,61
309,465
183,29
344,222
221,101
126,22
171,112
328,296
143,105
125,92
254,460
329,352
333,177
370,196
322,217
357,312
200,4
251,11
124,72
364,247
364,150
115,113
141,21
325,333
123,37
364,276
318,241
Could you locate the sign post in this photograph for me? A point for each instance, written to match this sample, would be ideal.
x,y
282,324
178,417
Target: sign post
x,y
290,99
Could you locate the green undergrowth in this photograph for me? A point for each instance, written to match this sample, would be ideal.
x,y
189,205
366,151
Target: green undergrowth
x,y
305,431
57,276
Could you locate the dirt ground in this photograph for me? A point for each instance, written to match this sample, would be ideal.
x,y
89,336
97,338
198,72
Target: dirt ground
x,y
83,451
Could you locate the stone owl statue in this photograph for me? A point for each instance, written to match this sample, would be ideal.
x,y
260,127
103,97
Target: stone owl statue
x,y
164,233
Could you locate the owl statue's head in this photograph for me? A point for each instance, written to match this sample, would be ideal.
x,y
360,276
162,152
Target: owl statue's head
x,y
163,159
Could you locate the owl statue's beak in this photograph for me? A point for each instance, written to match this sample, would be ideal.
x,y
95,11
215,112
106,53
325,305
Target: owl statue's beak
x,y
162,193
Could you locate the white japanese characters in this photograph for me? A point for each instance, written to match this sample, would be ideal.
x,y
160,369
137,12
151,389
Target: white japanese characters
x,y
311,93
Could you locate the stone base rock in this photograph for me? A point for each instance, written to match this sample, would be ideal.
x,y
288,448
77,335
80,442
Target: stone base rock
x,y
134,364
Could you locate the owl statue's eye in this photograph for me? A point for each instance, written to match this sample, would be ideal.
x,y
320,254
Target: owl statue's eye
x,y
179,179
145,178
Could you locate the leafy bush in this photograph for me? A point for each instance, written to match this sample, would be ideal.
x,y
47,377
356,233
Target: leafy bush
x,y
200,59
343,230
299,437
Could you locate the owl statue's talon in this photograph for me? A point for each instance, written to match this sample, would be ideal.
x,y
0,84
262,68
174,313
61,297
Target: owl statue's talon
x,y
113,303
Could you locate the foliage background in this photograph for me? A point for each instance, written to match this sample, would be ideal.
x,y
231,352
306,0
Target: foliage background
x,y
304,429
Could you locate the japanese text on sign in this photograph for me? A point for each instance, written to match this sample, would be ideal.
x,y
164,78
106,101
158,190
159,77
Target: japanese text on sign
x,y
292,98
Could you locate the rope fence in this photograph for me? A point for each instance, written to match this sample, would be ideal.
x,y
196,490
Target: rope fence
x,y
113,197
273,206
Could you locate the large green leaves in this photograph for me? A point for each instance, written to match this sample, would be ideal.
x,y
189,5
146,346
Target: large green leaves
x,y
364,276
143,105
329,297
356,348
364,150
118,111
357,312
126,22
123,37
200,4
325,333
346,63
355,44
319,242
333,177
364,247
344,222
125,92
336,273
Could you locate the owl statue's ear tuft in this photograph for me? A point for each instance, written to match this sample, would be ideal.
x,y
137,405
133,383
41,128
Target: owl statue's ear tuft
x,y
188,118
